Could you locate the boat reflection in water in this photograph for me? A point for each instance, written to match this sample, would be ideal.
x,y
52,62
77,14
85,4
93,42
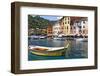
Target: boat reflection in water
x,y
48,49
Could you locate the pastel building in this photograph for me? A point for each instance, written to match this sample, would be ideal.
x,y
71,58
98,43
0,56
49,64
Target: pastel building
x,y
70,26
77,28
84,28
49,30
80,26
65,25
56,29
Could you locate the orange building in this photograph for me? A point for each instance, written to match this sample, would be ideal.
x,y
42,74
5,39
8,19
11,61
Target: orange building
x,y
49,30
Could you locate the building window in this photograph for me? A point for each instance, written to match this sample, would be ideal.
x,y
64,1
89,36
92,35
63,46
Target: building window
x,y
80,31
68,22
83,31
74,27
68,18
83,26
80,27
67,27
84,22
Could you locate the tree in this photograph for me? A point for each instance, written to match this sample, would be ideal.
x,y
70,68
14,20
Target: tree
x,y
37,22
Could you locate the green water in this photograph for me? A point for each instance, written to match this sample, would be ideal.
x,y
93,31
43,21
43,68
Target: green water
x,y
77,49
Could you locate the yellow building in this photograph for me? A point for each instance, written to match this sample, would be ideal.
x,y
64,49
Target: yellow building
x,y
65,25
71,26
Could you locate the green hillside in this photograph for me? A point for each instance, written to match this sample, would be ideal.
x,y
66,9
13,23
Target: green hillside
x,y
37,22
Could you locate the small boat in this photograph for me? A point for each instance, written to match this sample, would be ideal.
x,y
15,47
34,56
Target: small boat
x,y
82,39
48,51
59,38
36,37
42,37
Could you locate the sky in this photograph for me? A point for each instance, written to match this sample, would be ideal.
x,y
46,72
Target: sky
x,y
52,18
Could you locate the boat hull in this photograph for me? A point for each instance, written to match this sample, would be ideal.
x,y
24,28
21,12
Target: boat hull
x,y
50,53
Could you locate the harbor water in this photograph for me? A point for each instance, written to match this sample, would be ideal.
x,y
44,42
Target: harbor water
x,y
77,49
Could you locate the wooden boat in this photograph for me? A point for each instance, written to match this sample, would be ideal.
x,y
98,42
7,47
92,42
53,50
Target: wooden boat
x,y
48,51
